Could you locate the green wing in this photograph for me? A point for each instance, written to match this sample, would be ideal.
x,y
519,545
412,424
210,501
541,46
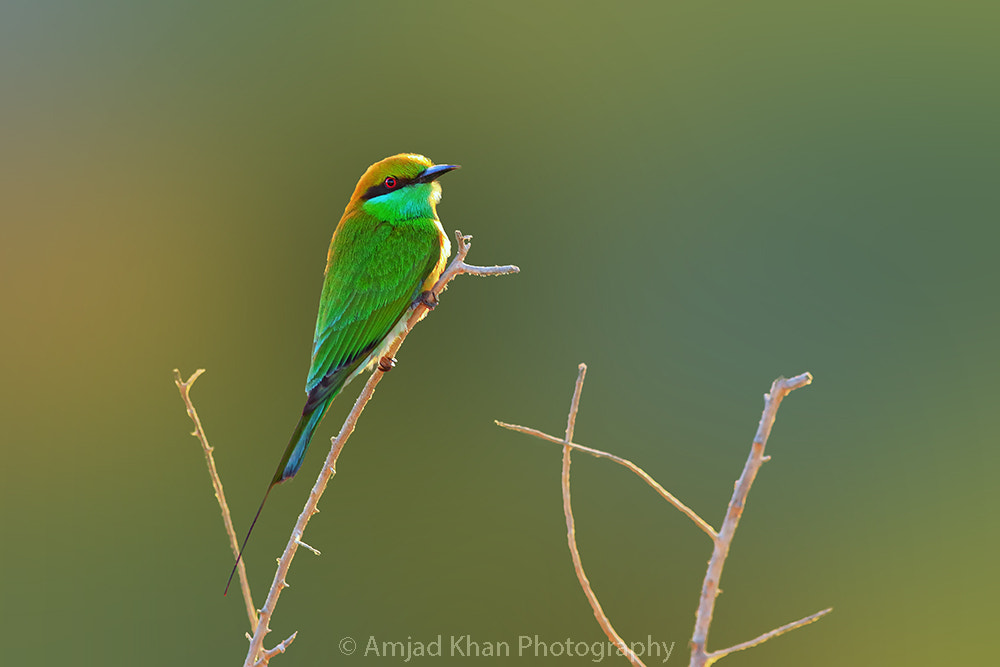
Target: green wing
x,y
375,271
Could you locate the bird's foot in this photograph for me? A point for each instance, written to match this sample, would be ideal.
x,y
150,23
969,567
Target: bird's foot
x,y
428,298
386,364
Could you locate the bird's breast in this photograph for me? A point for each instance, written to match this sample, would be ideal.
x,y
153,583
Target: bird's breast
x,y
445,252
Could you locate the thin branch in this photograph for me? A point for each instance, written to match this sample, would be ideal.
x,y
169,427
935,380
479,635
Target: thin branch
x,y
227,520
602,618
669,497
457,267
700,657
715,655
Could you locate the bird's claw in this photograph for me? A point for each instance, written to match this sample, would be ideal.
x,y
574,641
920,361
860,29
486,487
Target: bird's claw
x,y
429,299
386,364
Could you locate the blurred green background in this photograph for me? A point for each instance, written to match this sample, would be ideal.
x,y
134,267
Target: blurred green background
x,y
700,198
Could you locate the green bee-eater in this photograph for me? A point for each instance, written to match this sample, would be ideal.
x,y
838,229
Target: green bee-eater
x,y
388,249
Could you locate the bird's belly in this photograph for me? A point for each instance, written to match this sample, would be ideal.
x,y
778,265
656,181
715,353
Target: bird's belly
x,y
382,347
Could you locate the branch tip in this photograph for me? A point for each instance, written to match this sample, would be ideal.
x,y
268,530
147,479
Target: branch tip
x,y
574,406
190,381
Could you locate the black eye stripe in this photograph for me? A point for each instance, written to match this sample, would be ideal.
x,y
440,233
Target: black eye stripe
x,y
381,189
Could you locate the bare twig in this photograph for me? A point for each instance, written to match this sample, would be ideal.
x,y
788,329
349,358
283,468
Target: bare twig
x,y
715,655
257,655
700,657
199,432
669,497
602,618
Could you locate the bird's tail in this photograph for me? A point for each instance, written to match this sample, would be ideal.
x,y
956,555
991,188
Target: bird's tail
x,y
290,462
295,452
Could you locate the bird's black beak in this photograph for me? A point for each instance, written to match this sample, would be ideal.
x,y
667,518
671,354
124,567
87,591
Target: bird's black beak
x,y
433,173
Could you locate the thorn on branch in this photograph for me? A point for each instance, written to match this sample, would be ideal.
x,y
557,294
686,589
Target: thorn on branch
x,y
303,544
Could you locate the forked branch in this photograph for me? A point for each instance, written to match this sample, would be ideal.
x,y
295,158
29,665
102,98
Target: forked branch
x,y
721,540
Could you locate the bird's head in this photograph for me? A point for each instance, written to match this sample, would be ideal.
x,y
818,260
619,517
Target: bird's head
x,y
400,187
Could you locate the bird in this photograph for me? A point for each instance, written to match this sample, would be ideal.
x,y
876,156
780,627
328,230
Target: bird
x,y
387,251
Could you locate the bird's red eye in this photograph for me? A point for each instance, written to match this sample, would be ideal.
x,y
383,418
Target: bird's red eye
x,y
390,182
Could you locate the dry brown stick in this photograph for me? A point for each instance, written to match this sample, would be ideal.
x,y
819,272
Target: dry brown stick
x,y
257,655
669,497
227,520
602,618
700,657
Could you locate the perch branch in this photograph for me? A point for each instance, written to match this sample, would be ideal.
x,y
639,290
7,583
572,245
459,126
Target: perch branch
x,y
700,657
227,520
602,618
257,655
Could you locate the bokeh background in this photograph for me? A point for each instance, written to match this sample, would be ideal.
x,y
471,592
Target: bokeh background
x,y
700,197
